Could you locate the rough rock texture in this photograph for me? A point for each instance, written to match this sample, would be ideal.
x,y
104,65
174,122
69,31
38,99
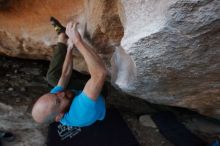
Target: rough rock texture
x,y
175,48
27,132
166,52
25,30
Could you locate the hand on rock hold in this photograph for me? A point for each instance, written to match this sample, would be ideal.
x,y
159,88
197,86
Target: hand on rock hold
x,y
73,33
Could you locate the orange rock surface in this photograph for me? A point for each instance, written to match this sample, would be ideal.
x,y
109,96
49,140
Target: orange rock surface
x,y
25,30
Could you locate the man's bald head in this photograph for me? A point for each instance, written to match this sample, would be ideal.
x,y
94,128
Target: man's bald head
x,y
43,110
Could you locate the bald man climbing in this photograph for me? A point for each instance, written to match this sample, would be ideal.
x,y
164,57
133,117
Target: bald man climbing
x,y
68,102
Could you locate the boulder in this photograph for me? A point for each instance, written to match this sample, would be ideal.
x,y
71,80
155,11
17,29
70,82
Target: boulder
x,y
174,47
166,52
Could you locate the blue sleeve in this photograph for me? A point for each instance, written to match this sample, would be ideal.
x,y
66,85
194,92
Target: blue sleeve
x,y
84,111
86,101
56,89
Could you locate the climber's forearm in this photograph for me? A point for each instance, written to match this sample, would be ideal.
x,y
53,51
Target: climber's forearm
x,y
68,63
95,64
67,69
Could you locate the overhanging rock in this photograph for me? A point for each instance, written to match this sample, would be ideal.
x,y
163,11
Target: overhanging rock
x,y
175,47
165,52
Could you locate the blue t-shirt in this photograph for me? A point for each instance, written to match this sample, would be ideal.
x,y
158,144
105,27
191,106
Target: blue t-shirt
x,y
83,110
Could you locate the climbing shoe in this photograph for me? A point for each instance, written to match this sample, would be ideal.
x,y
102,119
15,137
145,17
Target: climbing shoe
x,y
57,25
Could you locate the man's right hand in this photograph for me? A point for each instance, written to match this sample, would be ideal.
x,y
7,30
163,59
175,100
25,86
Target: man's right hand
x,y
72,32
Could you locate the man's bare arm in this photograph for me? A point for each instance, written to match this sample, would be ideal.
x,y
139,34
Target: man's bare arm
x,y
96,69
95,65
67,68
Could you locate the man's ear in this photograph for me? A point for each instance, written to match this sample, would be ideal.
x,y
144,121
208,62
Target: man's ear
x,y
59,117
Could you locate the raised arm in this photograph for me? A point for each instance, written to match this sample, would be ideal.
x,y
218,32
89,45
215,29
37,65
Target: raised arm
x,y
95,65
67,68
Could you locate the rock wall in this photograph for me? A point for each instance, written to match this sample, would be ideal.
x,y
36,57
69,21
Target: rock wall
x,y
165,52
25,29
175,47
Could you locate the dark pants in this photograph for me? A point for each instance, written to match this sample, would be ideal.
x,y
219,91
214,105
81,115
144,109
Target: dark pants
x,y
77,80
